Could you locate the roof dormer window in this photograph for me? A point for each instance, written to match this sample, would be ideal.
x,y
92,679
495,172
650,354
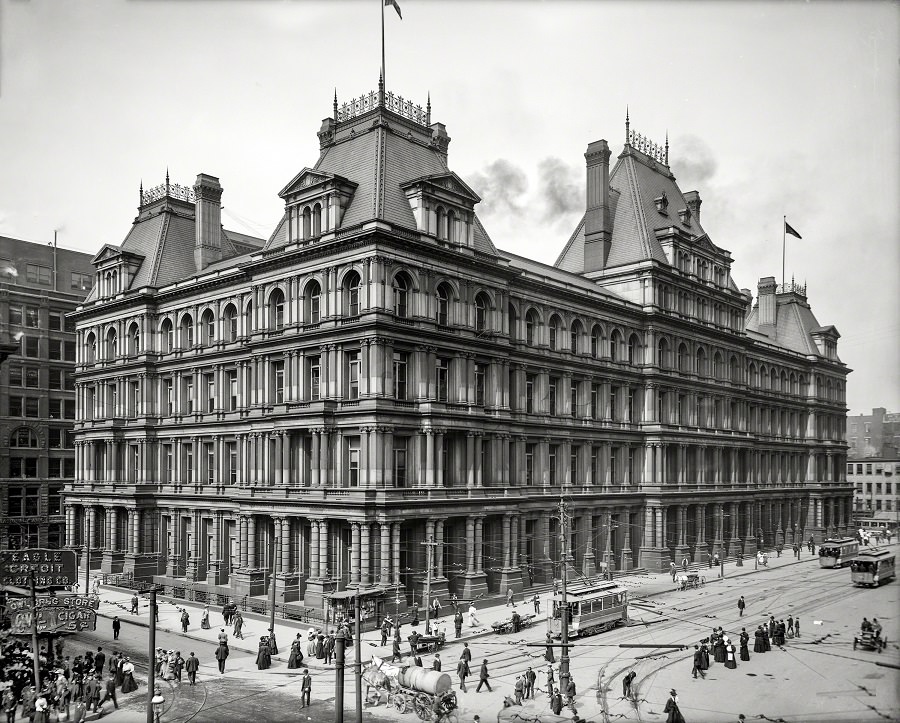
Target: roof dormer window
x,y
662,203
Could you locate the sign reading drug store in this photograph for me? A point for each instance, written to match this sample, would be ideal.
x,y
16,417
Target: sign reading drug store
x,y
63,614
51,568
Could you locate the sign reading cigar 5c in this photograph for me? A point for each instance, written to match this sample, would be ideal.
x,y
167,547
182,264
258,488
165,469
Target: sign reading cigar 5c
x,y
51,568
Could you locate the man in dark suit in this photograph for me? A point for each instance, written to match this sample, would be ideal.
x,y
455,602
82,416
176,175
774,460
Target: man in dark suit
x,y
530,678
99,662
222,656
436,664
191,665
116,627
305,689
483,676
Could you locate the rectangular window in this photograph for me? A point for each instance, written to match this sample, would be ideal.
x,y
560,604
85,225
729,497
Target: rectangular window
x,y
32,407
573,400
400,463
232,462
551,463
400,364
112,397
168,397
55,438
633,413
614,466
69,324
81,282
232,390
69,409
353,375
859,469
552,395
55,379
529,464
211,392
313,366
69,467
188,475
168,459
479,384
32,346
353,461
210,455
15,316
16,376
188,395
69,354
573,466
134,394
529,393
55,349
443,379
278,382
595,465
32,377
32,317
54,467
16,406
614,403
55,321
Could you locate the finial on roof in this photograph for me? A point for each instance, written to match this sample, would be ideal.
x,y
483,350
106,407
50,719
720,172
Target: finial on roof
x,y
381,87
167,180
428,110
141,194
335,104
667,146
627,124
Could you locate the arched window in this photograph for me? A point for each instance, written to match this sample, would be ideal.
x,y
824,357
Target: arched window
x,y
735,369
208,327
773,380
574,335
307,223
401,295
23,438
134,340
701,362
481,311
317,220
662,354
684,364
531,327
276,310
753,376
718,366
230,327
701,309
90,349
166,337
615,345
187,332
112,342
635,357
452,226
313,301
351,294
553,332
596,341
441,215
442,313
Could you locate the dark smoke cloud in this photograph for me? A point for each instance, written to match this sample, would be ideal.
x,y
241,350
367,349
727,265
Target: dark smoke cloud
x,y
501,185
692,162
561,189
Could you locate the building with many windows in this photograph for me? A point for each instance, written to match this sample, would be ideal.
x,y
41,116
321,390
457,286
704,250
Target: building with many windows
x,y
873,435
377,374
876,487
39,285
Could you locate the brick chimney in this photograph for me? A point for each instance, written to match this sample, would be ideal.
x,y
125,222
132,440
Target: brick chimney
x,y
208,222
767,303
597,223
692,199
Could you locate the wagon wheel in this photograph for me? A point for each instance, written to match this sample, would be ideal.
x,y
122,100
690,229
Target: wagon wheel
x,y
450,701
422,706
401,703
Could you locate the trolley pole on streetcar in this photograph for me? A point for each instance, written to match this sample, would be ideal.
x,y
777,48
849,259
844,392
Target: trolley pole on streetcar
x,y
564,608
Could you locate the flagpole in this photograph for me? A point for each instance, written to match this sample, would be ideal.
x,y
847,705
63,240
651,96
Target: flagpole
x,y
382,40
783,234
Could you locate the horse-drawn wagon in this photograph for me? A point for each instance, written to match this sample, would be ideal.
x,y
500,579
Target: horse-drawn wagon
x,y
511,625
428,693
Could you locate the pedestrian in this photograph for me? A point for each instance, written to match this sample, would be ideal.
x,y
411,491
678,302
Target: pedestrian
x,y
385,628
745,644
684,564
414,642
191,666
483,676
179,665
519,689
530,677
730,661
570,692
458,623
305,689
698,663
204,619
796,627
537,604
185,620
741,606
436,608
116,627
329,647
626,684
223,637
396,651
716,560
516,622
134,604
789,630
759,645
462,670
222,656
673,570
417,660
509,597
548,654
296,658
10,704
551,679
99,661
92,692
473,620
436,663
556,702
238,624
110,694
674,714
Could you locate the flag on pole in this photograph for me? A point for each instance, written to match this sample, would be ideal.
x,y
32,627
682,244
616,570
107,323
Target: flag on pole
x,y
396,6
791,230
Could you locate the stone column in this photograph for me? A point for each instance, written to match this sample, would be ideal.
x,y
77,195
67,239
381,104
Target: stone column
x,y
354,554
395,551
324,572
385,529
365,539
314,549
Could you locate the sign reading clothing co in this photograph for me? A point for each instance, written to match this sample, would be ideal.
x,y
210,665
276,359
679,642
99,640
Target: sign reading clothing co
x,y
51,568
64,614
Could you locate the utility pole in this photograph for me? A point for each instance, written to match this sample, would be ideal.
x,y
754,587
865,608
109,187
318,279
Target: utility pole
x,y
276,554
34,638
357,666
430,544
564,608
151,674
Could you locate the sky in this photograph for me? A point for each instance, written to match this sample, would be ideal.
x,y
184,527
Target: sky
x,y
772,109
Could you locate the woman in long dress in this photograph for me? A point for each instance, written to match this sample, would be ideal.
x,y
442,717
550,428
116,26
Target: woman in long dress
x,y
128,684
719,649
320,646
759,640
730,661
311,643
296,658
704,656
263,657
745,641
204,621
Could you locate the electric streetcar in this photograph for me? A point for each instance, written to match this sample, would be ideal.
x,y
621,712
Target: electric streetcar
x,y
838,551
594,607
872,567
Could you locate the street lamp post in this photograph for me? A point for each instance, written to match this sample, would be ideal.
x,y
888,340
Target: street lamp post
x,y
157,704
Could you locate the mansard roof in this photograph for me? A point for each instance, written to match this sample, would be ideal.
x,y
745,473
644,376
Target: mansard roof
x,y
794,325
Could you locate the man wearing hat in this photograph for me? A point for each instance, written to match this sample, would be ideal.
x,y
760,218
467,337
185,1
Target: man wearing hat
x,y
671,709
